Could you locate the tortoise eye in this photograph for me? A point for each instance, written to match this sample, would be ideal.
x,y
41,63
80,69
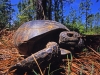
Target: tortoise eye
x,y
70,35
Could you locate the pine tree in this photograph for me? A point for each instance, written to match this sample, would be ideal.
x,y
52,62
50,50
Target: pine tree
x,y
5,13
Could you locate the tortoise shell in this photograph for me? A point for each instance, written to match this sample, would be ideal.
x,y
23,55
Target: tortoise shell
x,y
30,33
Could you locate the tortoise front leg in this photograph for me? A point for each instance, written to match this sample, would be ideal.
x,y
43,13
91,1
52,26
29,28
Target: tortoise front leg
x,y
43,57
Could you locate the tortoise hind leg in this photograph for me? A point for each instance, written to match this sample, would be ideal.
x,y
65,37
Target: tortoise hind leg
x,y
43,57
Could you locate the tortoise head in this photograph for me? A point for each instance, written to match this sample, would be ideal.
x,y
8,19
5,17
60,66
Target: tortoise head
x,y
71,38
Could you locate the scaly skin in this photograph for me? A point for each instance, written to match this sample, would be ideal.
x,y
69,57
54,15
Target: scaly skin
x,y
43,57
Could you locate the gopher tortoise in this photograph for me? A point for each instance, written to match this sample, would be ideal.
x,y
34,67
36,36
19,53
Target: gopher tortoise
x,y
43,40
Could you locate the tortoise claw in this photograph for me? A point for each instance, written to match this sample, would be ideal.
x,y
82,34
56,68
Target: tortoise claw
x,y
14,67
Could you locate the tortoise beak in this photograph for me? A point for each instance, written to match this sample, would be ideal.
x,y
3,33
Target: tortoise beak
x,y
64,51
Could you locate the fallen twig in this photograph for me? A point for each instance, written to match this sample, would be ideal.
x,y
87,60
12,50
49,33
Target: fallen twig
x,y
94,51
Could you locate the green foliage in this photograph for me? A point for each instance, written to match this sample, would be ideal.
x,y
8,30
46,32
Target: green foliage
x,y
76,27
75,22
79,27
16,25
89,33
98,49
26,10
49,70
80,20
69,63
42,9
5,13
23,18
85,8
35,73
95,30
52,72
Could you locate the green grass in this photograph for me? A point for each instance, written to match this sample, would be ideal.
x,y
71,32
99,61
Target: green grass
x,y
69,63
35,73
92,71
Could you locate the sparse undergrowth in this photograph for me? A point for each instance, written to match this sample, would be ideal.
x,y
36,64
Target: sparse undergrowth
x,y
86,63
